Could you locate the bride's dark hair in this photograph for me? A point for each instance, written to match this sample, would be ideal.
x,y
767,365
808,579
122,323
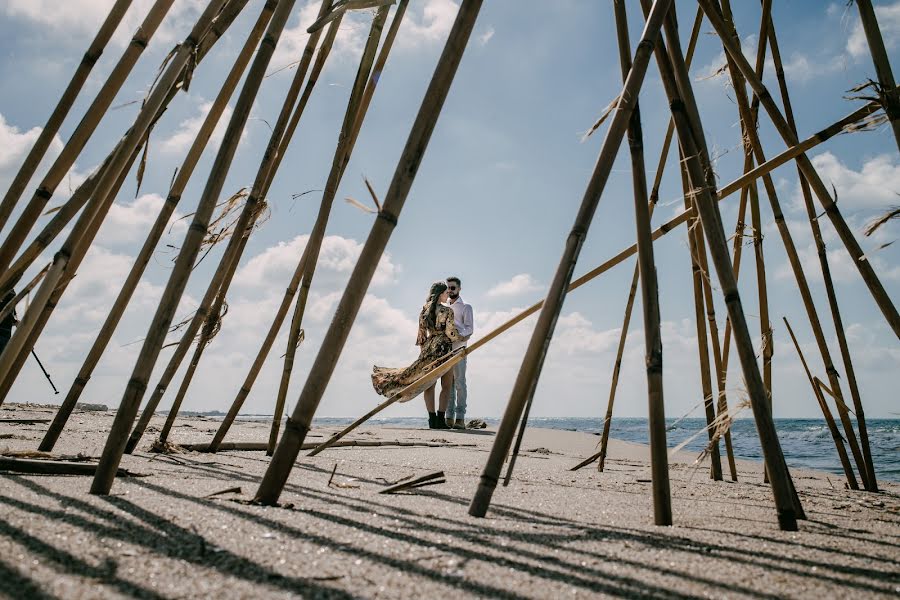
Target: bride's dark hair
x,y
429,311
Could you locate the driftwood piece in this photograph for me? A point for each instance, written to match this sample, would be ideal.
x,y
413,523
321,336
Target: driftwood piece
x,y
53,467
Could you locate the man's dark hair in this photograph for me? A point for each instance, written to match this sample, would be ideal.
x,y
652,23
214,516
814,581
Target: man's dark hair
x,y
456,279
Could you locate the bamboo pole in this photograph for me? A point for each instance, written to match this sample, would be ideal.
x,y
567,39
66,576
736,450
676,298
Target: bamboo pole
x,y
367,78
796,266
829,419
627,253
82,132
299,423
826,274
210,308
41,317
291,290
681,99
60,112
831,209
159,226
882,66
115,444
83,193
537,347
697,275
11,305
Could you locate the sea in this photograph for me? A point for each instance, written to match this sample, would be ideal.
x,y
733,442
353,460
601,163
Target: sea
x,y
806,443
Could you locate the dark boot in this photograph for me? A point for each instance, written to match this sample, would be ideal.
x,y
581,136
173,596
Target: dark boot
x,y
440,422
432,421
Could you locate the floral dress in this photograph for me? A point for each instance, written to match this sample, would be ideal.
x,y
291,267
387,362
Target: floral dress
x,y
435,346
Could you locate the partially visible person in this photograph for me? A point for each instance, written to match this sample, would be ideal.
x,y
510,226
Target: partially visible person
x,y
7,324
436,336
464,320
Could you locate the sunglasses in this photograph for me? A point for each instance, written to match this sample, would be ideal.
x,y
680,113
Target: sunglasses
x,y
452,288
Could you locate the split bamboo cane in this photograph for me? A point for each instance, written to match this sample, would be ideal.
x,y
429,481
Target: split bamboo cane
x,y
82,132
355,114
829,419
71,207
681,99
697,275
627,253
540,339
826,274
54,122
882,66
143,258
291,290
797,268
299,423
209,310
115,444
868,274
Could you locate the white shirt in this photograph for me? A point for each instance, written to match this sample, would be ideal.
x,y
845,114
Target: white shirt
x,y
464,321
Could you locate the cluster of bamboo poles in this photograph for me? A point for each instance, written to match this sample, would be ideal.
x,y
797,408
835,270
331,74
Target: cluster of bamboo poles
x,y
707,241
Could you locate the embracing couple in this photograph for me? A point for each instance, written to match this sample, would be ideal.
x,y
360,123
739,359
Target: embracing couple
x,y
445,325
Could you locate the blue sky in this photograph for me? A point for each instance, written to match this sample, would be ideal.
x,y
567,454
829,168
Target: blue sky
x,y
492,203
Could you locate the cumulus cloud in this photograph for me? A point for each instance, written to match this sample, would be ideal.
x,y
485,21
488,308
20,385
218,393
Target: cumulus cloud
x,y
337,258
875,185
888,16
178,142
519,284
79,20
430,24
486,36
128,223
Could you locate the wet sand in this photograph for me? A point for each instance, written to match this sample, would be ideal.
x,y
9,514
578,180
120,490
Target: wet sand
x,y
552,533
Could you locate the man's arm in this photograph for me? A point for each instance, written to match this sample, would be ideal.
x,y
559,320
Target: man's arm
x,y
468,323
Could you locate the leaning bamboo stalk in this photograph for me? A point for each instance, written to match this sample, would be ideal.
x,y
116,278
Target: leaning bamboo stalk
x,y
298,425
826,273
543,331
829,419
207,313
115,444
11,305
632,290
882,66
156,232
356,111
653,352
857,255
697,275
54,122
41,318
681,99
70,208
619,258
796,265
82,132
292,287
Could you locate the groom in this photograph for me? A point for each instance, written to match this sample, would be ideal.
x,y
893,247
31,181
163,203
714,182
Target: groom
x,y
462,317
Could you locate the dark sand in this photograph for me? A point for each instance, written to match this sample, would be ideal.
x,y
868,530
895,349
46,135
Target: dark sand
x,y
550,534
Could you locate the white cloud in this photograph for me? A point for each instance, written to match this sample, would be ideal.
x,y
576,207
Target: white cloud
x,y
431,24
180,140
888,16
485,37
79,20
875,185
519,284
338,256
128,223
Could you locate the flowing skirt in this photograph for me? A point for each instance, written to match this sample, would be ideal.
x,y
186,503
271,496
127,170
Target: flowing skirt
x,y
387,380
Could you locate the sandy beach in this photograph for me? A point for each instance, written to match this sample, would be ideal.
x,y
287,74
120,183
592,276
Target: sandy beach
x,y
552,533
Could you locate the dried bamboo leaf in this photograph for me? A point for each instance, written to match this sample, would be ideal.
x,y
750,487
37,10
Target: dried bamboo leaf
x,y
360,206
872,227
